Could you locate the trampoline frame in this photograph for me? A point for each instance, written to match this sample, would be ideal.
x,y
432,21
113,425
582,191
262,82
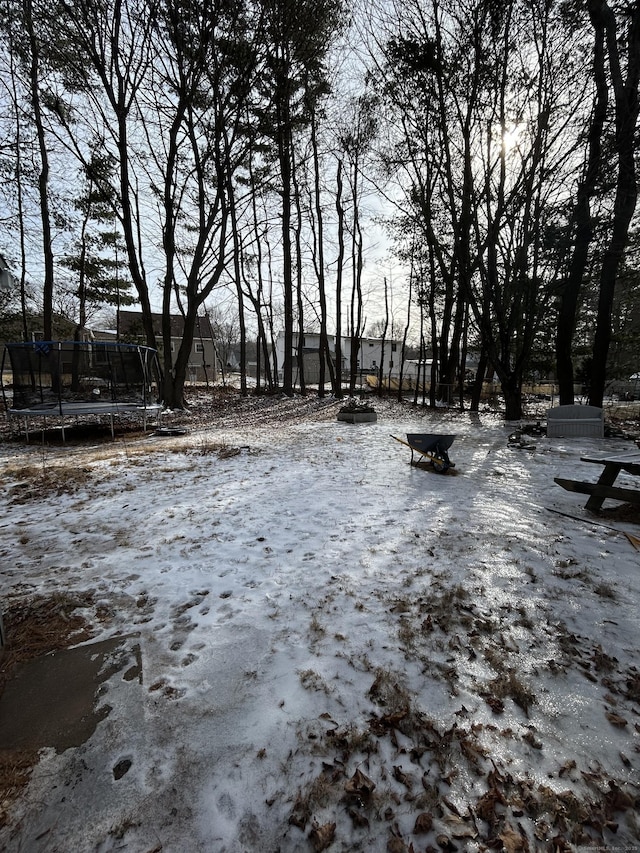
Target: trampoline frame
x,y
60,404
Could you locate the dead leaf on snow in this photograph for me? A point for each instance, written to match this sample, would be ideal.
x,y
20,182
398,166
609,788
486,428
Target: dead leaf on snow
x,y
619,800
633,686
322,837
486,805
360,820
360,785
445,843
472,750
301,814
496,705
394,718
400,776
460,828
423,823
512,841
451,806
566,768
532,740
616,719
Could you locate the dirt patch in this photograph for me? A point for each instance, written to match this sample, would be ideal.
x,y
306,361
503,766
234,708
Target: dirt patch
x,y
629,513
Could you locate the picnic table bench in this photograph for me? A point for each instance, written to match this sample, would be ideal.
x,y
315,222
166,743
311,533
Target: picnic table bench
x,y
604,488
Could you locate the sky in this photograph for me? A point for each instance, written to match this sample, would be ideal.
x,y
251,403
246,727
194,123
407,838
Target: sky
x,y
338,650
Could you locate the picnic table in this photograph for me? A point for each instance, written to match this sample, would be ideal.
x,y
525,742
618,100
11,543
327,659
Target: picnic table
x,y
604,488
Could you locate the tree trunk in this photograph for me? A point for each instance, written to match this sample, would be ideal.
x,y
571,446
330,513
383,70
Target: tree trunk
x,y
481,372
339,264
405,335
626,107
512,390
324,352
43,177
356,284
384,340
570,291
298,248
284,159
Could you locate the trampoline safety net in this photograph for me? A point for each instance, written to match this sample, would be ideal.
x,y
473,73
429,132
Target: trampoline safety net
x,y
88,375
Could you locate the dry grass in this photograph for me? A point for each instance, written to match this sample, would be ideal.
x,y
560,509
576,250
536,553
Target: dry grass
x,y
605,590
509,685
36,483
312,680
42,624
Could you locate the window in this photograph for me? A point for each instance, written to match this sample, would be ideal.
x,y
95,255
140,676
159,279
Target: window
x,y
100,353
371,345
394,347
199,347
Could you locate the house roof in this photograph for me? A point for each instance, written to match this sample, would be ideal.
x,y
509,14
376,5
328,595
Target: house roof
x,y
131,324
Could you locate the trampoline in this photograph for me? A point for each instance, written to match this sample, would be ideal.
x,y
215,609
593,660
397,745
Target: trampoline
x,y
73,379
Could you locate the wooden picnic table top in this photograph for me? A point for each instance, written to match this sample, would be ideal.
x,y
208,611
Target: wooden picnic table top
x,y
630,462
605,488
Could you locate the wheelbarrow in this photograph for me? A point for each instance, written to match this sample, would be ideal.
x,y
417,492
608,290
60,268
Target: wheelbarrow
x,y
429,447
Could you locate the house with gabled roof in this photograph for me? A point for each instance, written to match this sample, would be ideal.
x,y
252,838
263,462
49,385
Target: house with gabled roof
x,y
7,279
203,362
374,356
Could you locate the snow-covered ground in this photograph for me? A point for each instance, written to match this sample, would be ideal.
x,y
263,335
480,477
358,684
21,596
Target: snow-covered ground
x,y
339,651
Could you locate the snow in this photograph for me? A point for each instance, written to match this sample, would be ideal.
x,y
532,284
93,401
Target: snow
x,y
311,605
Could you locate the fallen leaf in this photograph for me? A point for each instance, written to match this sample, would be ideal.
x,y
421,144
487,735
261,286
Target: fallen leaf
x,y
322,837
423,823
485,807
496,705
451,806
617,799
532,740
400,776
512,841
360,785
358,819
616,719
633,687
301,814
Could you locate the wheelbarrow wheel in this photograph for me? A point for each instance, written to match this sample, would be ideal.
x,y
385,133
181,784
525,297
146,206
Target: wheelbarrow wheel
x,y
440,465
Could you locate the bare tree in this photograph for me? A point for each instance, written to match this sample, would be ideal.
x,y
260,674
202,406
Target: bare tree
x,y
624,84
484,98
